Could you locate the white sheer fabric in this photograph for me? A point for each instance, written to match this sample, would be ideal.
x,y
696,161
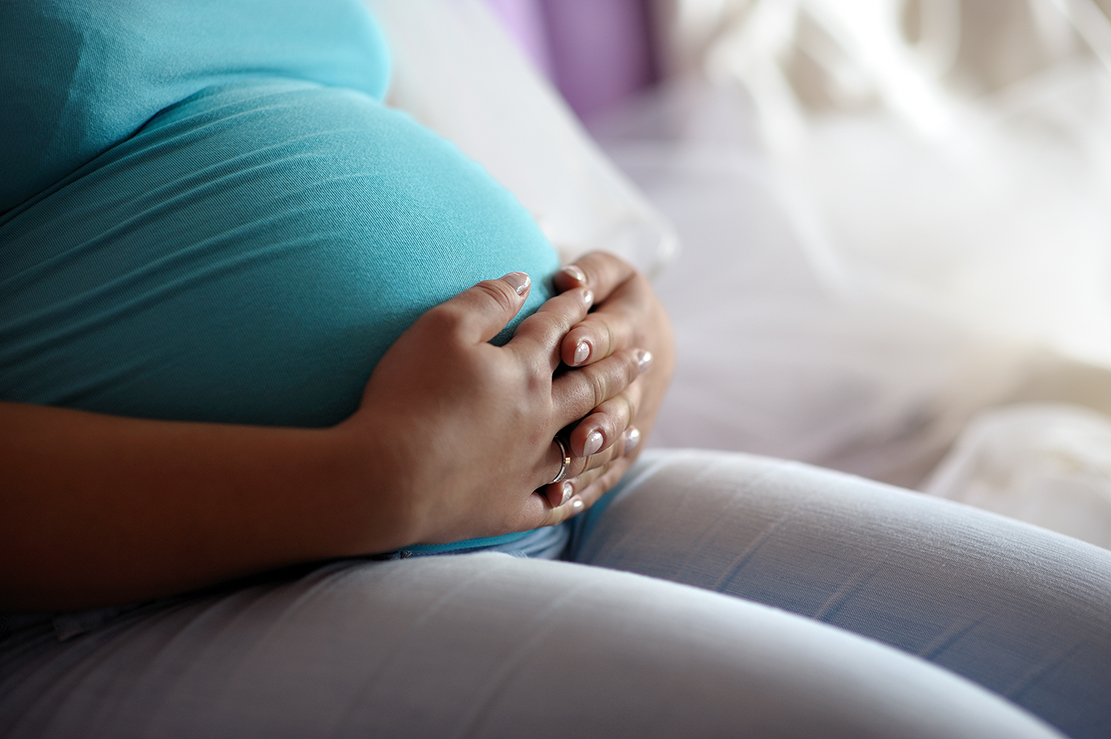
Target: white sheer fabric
x,y
893,216
1043,462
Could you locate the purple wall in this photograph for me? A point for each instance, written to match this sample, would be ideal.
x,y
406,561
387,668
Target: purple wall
x,y
524,19
596,51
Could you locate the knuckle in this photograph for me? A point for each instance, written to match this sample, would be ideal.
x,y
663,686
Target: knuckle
x,y
500,292
542,322
599,386
538,378
610,334
617,415
631,367
590,265
596,327
611,419
606,267
445,318
602,261
632,406
560,319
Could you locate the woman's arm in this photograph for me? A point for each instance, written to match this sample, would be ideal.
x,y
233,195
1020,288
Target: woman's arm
x,y
451,439
102,509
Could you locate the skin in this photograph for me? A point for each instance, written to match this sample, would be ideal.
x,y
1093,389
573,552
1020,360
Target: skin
x,y
102,509
627,314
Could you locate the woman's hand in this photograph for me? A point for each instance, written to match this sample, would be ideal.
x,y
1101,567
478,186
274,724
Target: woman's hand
x,y
462,431
452,438
627,315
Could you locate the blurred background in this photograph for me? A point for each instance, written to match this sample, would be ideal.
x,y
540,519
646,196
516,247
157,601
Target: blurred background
x,y
895,228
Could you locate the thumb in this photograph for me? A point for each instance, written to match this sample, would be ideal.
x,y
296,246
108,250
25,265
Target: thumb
x,y
484,310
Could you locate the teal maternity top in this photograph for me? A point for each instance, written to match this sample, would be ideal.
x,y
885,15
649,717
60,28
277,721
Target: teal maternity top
x,y
208,214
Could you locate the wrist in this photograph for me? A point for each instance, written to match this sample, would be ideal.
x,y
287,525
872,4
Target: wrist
x,y
370,506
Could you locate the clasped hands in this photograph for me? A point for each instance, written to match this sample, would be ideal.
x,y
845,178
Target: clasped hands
x,y
453,440
463,430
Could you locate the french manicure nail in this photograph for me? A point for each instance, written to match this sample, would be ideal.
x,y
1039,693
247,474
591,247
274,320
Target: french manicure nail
x,y
582,352
577,504
644,359
519,281
593,443
574,273
568,491
632,438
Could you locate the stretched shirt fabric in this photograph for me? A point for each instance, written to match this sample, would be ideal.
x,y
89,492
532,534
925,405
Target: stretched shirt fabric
x,y
211,216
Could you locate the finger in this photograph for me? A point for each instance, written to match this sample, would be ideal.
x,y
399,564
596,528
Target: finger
x,y
613,324
563,468
601,485
600,271
581,483
593,446
569,277
588,495
597,336
541,333
481,312
632,437
559,492
577,392
606,423
626,445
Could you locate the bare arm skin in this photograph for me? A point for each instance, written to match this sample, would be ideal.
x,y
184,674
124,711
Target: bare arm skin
x,y
100,509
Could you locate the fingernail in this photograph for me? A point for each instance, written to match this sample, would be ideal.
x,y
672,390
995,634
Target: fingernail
x,y
593,443
588,297
577,504
632,438
582,352
519,281
574,273
568,491
644,359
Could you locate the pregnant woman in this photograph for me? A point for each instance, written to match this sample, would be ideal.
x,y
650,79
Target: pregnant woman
x,y
266,346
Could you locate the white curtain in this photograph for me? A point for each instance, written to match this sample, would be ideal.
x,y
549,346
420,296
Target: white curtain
x,y
895,216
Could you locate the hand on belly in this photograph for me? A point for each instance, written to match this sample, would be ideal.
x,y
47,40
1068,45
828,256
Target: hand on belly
x,y
248,257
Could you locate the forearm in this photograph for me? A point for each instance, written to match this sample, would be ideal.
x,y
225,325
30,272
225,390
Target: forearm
x,y
100,509
451,439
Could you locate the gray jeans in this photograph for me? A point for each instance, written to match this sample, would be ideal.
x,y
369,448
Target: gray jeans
x,y
712,594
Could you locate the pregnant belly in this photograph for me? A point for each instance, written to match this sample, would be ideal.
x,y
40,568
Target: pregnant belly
x,y
248,257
